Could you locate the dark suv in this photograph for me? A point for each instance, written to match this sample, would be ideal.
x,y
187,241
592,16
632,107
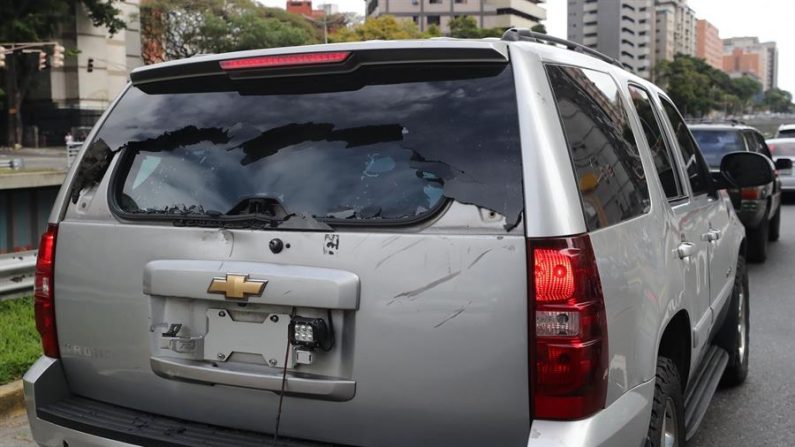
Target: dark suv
x,y
759,207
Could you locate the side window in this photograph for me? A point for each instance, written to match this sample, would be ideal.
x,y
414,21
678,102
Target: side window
x,y
602,145
697,171
663,160
763,149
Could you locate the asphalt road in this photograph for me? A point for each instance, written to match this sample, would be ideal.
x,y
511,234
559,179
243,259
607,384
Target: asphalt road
x,y
759,413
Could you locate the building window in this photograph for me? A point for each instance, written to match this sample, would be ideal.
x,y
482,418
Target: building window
x,y
434,20
460,1
434,2
416,19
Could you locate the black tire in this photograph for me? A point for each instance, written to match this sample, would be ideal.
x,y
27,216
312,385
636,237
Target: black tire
x,y
775,226
668,407
734,335
757,242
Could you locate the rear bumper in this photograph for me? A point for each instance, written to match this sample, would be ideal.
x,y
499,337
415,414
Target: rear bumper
x,y
58,418
624,423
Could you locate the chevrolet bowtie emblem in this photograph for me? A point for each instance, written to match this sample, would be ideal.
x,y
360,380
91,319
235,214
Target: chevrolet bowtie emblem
x,y
237,287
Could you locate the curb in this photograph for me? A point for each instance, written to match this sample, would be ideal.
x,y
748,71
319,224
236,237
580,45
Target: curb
x,y
12,399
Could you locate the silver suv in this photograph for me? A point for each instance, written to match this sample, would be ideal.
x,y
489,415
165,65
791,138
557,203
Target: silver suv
x,y
410,243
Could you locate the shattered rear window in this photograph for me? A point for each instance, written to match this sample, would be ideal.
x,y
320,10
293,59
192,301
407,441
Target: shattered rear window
x,y
385,144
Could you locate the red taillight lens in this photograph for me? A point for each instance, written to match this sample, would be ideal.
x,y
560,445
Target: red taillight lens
x,y
752,193
43,293
286,60
569,346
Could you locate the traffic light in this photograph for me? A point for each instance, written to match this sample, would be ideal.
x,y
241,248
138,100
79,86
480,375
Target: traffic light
x,y
2,56
42,61
90,67
57,56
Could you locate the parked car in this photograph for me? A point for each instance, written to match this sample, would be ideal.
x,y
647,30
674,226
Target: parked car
x,y
786,131
759,207
784,148
391,243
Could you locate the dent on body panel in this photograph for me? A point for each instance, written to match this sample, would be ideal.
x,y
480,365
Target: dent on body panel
x,y
633,272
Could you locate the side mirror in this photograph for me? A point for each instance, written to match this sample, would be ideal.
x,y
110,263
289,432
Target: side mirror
x,y
745,169
783,164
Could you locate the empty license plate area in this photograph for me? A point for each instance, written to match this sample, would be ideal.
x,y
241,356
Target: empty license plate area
x,y
260,334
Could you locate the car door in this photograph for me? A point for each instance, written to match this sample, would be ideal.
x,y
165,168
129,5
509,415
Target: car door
x,y
694,218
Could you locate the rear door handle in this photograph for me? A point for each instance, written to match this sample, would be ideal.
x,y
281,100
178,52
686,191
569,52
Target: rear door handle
x,y
711,235
686,249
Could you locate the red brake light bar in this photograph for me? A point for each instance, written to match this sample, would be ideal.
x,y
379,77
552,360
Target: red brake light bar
x,y
286,60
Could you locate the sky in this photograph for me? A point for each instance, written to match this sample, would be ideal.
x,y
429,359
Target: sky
x,y
767,19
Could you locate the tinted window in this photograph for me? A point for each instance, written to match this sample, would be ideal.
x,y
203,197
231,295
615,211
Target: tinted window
x,y
762,145
602,146
656,140
715,143
382,144
697,172
786,133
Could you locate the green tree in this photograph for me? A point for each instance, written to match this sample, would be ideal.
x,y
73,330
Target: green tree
x,y
175,29
382,28
746,89
777,100
36,21
539,28
466,27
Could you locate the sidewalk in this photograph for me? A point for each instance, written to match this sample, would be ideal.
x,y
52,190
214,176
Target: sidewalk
x,y
15,432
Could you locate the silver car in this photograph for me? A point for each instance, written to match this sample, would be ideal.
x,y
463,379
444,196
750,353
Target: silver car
x,y
784,148
407,243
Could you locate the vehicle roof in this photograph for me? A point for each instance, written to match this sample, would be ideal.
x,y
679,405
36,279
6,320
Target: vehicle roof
x,y
786,127
790,140
721,126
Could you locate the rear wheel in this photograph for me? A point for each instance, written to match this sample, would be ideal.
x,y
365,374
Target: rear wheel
x,y
775,226
757,242
667,425
734,334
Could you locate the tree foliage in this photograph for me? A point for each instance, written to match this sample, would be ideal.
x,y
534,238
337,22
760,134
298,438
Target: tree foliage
x,y
697,88
466,27
175,29
383,28
779,101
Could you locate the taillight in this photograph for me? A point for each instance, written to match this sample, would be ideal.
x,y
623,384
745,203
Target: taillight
x,y
43,293
569,345
752,193
286,60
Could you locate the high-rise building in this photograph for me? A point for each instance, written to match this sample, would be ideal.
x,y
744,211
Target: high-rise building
x,y
747,56
708,44
622,29
487,13
675,29
636,32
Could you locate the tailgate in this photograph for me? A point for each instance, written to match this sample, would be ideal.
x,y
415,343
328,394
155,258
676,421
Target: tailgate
x,y
217,219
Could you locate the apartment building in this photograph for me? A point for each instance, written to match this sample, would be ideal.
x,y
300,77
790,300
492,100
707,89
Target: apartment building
x,y
675,29
709,46
622,29
487,13
747,56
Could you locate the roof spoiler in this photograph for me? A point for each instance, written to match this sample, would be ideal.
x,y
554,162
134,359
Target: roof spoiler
x,y
358,55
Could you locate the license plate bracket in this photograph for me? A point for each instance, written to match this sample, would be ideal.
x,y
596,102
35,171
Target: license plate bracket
x,y
226,336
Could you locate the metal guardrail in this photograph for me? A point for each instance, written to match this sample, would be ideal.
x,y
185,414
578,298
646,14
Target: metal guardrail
x,y
14,163
72,149
16,274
